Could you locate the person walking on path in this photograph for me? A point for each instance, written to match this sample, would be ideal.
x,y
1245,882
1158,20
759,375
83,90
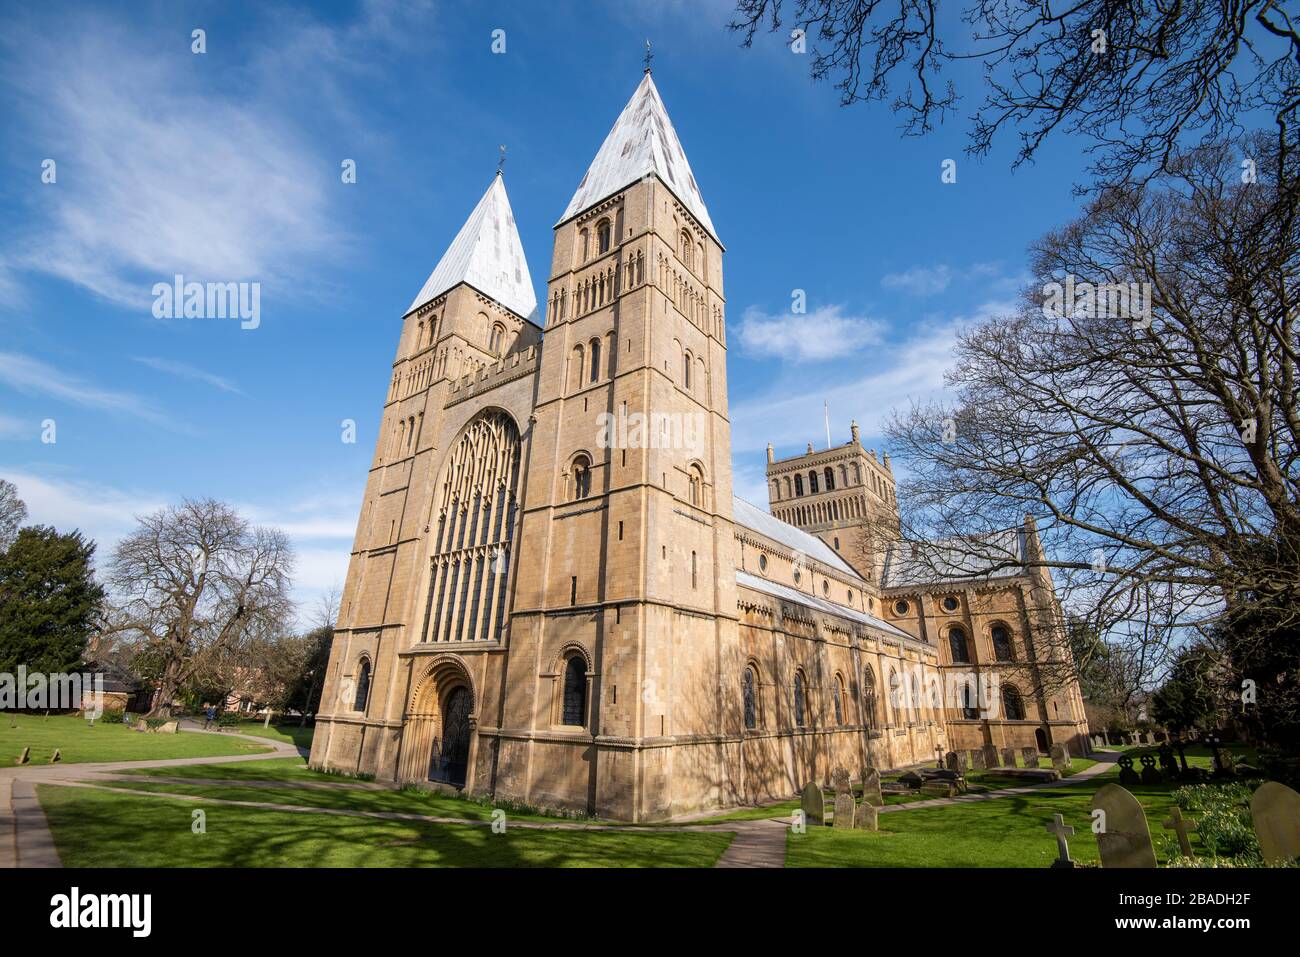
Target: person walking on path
x,y
209,716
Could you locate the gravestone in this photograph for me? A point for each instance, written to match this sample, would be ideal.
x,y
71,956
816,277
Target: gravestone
x,y
1124,840
843,809
952,762
1062,831
1168,763
1224,763
142,725
1060,757
25,756
57,756
1126,773
911,778
812,804
1008,757
1098,741
1149,773
170,727
1180,825
867,818
977,759
871,788
1030,756
1275,809
990,756
840,780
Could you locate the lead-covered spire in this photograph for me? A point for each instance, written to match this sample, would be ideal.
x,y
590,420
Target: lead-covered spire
x,y
642,141
488,255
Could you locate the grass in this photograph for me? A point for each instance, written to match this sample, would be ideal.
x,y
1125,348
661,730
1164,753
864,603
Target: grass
x,y
102,829
79,742
1005,832
284,733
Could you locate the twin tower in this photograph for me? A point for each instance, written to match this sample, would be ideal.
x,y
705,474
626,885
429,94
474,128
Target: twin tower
x,y
541,599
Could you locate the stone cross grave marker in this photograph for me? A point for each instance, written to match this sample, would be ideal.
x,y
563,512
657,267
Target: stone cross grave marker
x,y
1123,837
977,761
866,818
1275,809
1008,757
1149,773
1062,831
812,803
990,756
871,795
1060,757
843,809
1030,756
1126,773
1180,825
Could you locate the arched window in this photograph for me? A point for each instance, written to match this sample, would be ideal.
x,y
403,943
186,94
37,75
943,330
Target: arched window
x,y
363,686
968,709
498,335
696,479
1013,706
749,691
686,371
830,479
957,645
798,700
581,477
812,482
839,700
686,250
798,485
584,242
576,363
575,692
595,359
602,237
1001,644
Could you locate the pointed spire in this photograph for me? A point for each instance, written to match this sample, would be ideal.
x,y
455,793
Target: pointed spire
x,y
487,255
642,142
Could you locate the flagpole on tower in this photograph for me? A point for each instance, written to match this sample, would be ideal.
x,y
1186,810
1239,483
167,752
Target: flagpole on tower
x,y
826,410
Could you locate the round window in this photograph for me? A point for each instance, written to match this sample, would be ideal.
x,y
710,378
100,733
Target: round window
x,y
950,603
798,576
762,563
850,596
900,607
826,587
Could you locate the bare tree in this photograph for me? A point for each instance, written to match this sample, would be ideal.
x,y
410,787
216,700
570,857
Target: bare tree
x,y
1138,78
192,584
1159,452
13,512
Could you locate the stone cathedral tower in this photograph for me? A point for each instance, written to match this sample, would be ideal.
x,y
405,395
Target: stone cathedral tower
x,y
553,596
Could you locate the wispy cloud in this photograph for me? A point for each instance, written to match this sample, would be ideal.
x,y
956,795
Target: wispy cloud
x,y
13,428
824,333
186,371
919,280
165,167
34,377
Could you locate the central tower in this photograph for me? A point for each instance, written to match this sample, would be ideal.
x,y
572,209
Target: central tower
x,y
626,565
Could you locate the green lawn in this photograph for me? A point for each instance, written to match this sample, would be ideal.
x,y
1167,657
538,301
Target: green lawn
x,y
284,733
1004,832
79,742
102,829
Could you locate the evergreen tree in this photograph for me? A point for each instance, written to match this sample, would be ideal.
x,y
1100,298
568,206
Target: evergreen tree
x,y
48,600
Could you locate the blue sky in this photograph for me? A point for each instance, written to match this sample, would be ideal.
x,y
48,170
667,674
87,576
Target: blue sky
x,y
225,166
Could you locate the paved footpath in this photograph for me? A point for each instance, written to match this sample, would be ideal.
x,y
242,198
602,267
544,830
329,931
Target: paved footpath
x,y
26,841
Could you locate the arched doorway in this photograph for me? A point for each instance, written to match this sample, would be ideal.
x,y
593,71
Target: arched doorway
x,y
438,732
449,755
1040,737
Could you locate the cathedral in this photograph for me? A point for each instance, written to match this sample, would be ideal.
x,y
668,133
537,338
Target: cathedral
x,y
555,599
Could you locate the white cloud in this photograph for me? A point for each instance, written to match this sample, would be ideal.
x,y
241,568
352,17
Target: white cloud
x,y
186,371
157,174
102,513
790,413
919,280
15,428
34,377
825,333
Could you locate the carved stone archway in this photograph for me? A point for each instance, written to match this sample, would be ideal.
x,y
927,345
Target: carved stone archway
x,y
439,729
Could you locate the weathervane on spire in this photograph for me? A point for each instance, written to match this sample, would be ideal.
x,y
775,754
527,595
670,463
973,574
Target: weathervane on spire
x,y
501,163
648,55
